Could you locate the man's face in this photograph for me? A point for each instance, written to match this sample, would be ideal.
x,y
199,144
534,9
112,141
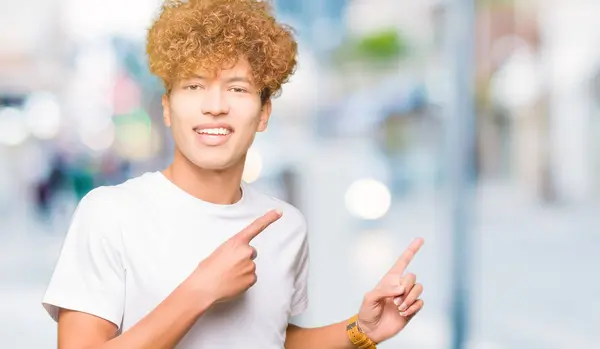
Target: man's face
x,y
214,119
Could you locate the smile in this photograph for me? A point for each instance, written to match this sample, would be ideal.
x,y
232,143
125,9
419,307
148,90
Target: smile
x,y
214,131
213,135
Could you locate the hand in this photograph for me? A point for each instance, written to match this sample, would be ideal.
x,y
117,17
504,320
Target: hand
x,y
230,270
388,308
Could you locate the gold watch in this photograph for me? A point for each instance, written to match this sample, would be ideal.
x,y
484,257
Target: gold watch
x,y
357,337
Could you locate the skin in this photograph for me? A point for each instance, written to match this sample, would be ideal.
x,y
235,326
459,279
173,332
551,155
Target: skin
x,y
232,98
213,173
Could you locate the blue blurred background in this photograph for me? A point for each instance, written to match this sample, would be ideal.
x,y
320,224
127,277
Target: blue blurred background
x,y
390,129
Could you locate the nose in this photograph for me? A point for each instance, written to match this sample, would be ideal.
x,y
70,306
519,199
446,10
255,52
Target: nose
x,y
214,103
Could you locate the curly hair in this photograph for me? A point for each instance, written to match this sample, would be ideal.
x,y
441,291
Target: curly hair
x,y
193,35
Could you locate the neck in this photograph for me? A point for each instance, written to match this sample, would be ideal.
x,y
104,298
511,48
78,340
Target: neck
x,y
220,187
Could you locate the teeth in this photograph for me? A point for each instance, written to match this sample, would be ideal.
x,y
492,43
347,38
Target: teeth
x,y
214,131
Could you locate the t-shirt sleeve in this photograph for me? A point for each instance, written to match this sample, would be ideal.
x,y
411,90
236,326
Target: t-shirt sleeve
x,y
89,275
300,297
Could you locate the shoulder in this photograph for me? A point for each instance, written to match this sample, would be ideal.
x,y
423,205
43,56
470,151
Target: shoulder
x,y
100,200
104,212
106,205
114,197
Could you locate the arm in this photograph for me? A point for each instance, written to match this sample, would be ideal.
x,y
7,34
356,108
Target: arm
x,y
329,337
385,311
162,328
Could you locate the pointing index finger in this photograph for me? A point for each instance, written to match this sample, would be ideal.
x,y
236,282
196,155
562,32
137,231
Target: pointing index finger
x,y
408,255
256,227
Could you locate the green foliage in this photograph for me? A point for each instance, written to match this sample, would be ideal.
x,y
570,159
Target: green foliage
x,y
495,3
382,46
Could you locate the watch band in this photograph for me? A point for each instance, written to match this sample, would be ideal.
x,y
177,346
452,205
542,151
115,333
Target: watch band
x,y
357,337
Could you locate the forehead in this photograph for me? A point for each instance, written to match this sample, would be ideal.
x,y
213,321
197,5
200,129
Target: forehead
x,y
241,69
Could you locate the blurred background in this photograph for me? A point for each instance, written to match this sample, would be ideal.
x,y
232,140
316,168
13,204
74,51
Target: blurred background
x,y
474,124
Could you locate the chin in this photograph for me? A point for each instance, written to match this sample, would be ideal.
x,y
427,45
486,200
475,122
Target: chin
x,y
214,164
211,159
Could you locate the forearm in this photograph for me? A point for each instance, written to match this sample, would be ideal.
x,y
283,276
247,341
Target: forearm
x,y
164,327
328,337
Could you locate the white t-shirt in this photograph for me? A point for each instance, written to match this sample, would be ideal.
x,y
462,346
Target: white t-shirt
x,y
130,245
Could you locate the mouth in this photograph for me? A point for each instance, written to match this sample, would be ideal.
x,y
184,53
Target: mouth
x,y
213,135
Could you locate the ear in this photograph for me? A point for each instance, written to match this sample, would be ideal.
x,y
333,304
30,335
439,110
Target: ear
x,y
265,114
166,110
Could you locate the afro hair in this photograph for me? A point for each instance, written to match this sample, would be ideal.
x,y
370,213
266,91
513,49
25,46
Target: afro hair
x,y
194,35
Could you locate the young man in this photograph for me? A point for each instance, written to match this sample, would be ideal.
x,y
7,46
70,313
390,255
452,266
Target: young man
x,y
191,256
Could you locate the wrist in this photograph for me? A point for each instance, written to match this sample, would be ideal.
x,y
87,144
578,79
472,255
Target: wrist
x,y
357,336
203,298
365,330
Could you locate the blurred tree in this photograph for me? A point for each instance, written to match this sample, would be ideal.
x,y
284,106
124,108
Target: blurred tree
x,y
494,3
379,47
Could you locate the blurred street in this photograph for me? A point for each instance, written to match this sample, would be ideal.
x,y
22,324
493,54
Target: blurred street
x,y
391,99
533,270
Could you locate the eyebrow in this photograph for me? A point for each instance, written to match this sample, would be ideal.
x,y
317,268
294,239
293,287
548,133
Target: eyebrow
x,y
229,80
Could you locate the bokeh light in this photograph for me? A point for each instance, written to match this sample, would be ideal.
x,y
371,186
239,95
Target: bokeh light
x,y
99,139
254,165
42,115
134,135
368,199
13,130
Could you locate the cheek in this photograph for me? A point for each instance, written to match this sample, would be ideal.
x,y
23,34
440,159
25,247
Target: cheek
x,y
182,118
250,123
184,109
247,116
180,127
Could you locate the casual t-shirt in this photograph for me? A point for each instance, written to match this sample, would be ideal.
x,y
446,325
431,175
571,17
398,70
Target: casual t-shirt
x,y
130,245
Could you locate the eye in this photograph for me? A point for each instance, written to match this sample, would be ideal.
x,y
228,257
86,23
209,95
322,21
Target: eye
x,y
193,87
238,90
